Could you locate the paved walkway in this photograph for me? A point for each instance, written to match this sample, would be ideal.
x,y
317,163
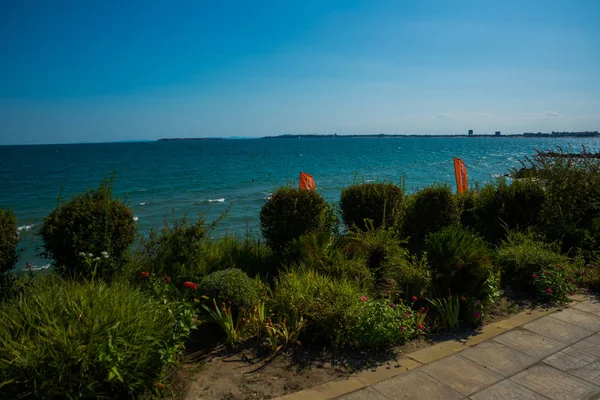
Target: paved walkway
x,y
529,356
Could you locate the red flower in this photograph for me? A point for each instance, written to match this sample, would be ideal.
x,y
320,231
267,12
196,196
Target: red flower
x,y
477,315
392,305
545,272
420,327
571,279
145,274
407,314
571,293
559,266
414,298
549,291
190,285
534,276
167,279
364,298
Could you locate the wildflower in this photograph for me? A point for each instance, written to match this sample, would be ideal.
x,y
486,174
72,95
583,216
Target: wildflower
x,y
414,298
560,266
545,272
478,302
97,259
364,298
145,274
196,301
167,279
290,275
533,276
407,314
90,255
571,279
477,315
104,254
549,291
388,291
82,254
190,285
420,327
571,293
422,308
401,329
392,305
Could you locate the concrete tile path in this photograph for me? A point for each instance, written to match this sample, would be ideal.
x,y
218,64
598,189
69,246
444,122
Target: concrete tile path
x,y
537,355
553,357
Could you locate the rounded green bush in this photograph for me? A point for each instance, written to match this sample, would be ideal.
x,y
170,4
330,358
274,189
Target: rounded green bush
x,y
291,213
460,261
65,339
91,232
379,202
8,241
231,286
429,211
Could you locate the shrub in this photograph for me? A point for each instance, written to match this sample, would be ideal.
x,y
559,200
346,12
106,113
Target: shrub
x,y
514,206
411,274
231,286
290,213
429,211
381,203
522,254
92,223
64,339
460,262
382,323
8,241
553,284
329,305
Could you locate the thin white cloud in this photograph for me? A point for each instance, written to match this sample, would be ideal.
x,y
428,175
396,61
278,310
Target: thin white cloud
x,y
553,114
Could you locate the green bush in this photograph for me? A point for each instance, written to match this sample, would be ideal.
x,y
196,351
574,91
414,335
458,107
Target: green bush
x,y
460,262
553,284
502,205
522,255
411,274
379,202
90,224
329,305
231,286
8,241
291,213
429,211
64,339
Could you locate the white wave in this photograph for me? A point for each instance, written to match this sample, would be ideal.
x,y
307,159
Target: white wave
x,y
135,218
221,200
25,227
39,267
143,204
268,198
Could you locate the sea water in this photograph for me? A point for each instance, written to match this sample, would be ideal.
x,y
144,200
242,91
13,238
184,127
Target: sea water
x,y
177,178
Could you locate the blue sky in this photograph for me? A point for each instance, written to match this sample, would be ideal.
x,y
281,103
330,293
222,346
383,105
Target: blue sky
x,y
107,70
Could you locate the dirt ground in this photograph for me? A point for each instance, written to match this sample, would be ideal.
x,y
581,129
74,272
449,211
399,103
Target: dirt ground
x,y
221,374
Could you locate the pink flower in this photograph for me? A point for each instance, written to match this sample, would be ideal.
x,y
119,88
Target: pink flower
x,y
420,327
422,308
533,276
560,266
571,279
549,291
545,272
414,298
571,293
401,329
190,285
392,305
364,298
477,315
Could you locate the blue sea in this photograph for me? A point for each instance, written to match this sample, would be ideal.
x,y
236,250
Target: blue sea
x,y
176,178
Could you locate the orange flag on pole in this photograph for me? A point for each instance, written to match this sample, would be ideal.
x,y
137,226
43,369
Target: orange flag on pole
x,y
306,181
460,171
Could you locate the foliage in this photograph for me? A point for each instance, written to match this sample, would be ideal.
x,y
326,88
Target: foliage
x,y
522,254
381,203
553,284
329,305
460,261
232,287
290,213
223,317
283,331
411,274
91,223
8,241
382,323
64,339
448,309
429,211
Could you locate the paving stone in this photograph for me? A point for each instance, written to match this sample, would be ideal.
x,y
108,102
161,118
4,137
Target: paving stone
x,y
573,316
557,330
590,345
363,394
507,390
590,306
416,385
499,358
577,362
555,384
530,343
461,374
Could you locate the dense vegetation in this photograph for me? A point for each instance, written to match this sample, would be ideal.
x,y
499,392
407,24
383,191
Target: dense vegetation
x,y
112,321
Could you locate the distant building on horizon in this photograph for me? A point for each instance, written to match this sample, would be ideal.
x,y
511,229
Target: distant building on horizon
x,y
497,133
470,132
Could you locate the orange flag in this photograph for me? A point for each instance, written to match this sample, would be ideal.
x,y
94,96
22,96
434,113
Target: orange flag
x,y
460,171
306,181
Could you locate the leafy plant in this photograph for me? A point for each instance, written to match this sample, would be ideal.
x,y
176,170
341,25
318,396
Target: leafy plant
x,y
284,331
553,284
8,241
224,318
379,203
448,309
90,223
291,213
